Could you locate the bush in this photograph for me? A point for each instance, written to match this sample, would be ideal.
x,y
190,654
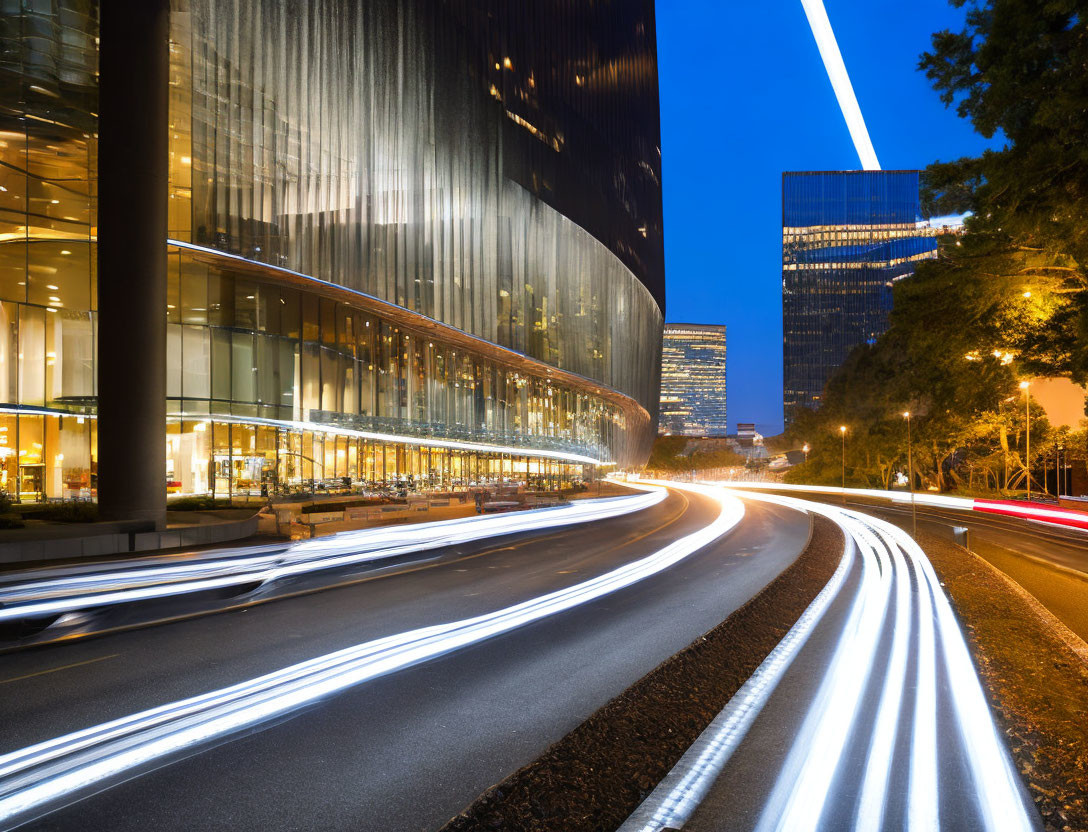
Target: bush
x,y
66,512
196,504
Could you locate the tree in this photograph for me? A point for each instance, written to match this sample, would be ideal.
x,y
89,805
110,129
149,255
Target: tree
x,y
1017,70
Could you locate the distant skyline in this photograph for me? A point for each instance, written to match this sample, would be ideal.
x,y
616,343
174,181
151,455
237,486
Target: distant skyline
x,y
744,97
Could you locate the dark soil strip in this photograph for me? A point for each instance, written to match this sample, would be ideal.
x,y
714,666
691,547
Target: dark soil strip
x,y
598,774
1036,681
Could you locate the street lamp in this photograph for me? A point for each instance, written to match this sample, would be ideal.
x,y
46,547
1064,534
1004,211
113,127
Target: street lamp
x,y
910,476
1025,386
805,450
842,430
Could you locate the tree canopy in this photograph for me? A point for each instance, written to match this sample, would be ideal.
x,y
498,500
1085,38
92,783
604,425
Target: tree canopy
x,y
1007,297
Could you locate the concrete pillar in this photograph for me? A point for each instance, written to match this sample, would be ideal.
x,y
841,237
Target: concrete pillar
x,y
132,205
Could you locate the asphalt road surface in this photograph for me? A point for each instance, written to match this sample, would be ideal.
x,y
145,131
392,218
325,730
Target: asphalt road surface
x,y
1051,563
868,716
409,750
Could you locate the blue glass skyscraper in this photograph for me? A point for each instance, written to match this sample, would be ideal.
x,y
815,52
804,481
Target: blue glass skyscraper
x,y
847,236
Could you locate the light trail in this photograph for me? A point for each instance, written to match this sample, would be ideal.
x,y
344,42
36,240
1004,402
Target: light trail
x,y
41,598
840,82
817,784
61,768
1039,512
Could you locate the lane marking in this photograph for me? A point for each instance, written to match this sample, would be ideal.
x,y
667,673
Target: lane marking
x,y
814,762
33,777
390,571
43,598
57,669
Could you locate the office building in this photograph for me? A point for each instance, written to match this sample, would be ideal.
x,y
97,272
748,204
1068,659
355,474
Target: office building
x,y
693,381
847,236
252,246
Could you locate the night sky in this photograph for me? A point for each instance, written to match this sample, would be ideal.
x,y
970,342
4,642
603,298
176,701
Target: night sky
x,y
744,96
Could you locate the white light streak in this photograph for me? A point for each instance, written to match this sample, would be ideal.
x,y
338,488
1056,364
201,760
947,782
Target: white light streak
x,y
840,82
35,776
1024,511
678,795
886,556
260,566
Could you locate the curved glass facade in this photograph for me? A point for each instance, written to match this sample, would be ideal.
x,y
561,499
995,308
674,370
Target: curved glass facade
x,y
360,144
428,250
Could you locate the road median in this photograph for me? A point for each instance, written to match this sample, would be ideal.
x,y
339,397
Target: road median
x,y
598,774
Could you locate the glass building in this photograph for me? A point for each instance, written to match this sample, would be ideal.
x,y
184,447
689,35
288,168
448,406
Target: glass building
x,y
847,236
407,241
693,381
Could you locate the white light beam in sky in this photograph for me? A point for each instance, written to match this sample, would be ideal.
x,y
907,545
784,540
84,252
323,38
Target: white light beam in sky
x,y
840,81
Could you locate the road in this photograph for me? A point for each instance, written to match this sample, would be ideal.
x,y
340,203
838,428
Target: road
x,y
867,716
1050,563
408,750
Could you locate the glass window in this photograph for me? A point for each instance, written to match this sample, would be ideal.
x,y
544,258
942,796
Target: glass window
x,y
9,353
245,304
12,262
244,368
9,455
194,292
59,274
32,355
221,375
196,362
173,361
31,458
70,357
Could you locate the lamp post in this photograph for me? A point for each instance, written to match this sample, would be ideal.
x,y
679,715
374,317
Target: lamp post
x,y
1025,386
910,477
1061,471
842,431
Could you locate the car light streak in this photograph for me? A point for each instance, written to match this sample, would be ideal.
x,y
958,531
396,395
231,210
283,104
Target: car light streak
x,y
677,796
895,586
878,767
1009,508
81,592
922,799
998,790
50,771
801,791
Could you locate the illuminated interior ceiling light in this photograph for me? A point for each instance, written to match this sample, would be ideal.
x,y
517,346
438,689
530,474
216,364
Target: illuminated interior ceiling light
x,y
840,82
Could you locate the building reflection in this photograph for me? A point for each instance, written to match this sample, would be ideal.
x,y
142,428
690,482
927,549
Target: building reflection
x,y
388,257
847,236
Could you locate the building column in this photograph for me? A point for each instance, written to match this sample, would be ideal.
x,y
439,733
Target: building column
x,y
132,218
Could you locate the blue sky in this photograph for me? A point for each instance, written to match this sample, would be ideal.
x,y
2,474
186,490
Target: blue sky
x,y
744,96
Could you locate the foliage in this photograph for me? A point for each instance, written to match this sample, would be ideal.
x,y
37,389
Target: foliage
x,y
69,511
680,453
1017,71
1006,299
196,504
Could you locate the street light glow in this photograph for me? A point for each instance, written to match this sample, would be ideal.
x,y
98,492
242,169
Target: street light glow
x,y
842,428
1024,385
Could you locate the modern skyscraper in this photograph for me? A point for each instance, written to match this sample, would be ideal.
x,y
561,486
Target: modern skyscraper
x,y
334,243
847,236
693,381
